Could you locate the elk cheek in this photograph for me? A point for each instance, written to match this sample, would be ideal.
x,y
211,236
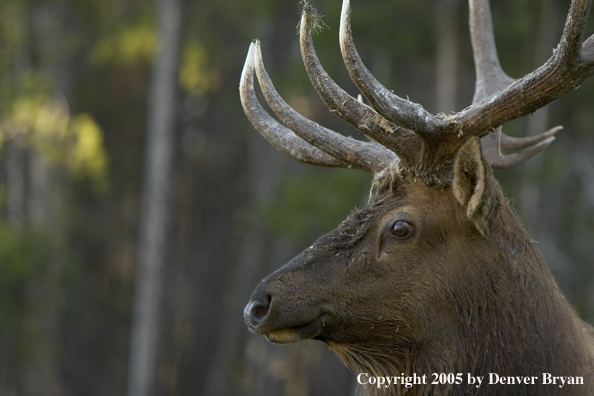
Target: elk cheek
x,y
393,247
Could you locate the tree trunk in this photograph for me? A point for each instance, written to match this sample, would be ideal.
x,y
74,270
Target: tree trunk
x,y
43,190
155,206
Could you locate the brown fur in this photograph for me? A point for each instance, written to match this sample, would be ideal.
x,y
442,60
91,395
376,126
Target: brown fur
x,y
468,292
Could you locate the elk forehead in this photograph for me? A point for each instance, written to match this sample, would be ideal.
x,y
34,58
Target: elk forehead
x,y
400,195
390,192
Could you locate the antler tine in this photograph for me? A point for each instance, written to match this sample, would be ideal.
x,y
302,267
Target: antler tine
x,y
494,143
588,50
490,77
492,152
572,62
401,112
571,46
362,117
369,157
514,143
283,139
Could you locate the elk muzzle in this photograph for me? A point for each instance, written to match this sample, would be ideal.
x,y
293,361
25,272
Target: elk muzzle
x,y
286,308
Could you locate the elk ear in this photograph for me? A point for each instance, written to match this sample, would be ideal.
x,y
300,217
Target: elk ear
x,y
473,185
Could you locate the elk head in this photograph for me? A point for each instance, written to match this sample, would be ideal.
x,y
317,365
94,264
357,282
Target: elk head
x,y
436,272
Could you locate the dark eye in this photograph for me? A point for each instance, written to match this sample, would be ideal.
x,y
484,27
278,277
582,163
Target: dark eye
x,y
401,229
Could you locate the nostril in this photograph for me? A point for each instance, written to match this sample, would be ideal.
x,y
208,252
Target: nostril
x,y
258,309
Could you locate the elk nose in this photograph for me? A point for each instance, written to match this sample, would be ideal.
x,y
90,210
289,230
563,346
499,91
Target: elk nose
x,y
257,309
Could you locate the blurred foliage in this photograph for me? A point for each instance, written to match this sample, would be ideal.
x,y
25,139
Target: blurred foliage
x,y
87,157
23,259
127,46
195,75
76,143
73,88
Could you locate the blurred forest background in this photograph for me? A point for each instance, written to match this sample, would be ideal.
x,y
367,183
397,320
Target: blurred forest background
x,y
126,160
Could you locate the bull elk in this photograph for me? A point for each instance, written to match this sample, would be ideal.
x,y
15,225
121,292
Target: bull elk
x,y
436,274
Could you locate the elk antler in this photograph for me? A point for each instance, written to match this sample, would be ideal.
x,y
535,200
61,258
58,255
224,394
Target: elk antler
x,y
404,142
400,111
426,144
437,132
572,63
336,149
491,78
280,137
495,143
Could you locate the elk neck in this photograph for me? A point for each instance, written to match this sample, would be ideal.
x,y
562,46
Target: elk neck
x,y
512,319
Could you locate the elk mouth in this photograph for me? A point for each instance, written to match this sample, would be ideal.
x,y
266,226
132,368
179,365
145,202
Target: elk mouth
x,y
297,333
285,333
281,322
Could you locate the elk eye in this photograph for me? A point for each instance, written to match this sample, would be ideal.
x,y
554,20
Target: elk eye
x,y
401,229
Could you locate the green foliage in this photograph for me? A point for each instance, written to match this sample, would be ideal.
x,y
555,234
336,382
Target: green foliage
x,y
86,156
126,46
315,202
22,254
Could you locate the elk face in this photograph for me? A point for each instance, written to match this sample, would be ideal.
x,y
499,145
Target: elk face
x,y
327,291
367,281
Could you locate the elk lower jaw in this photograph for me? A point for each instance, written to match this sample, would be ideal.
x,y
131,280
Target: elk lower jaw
x,y
297,333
